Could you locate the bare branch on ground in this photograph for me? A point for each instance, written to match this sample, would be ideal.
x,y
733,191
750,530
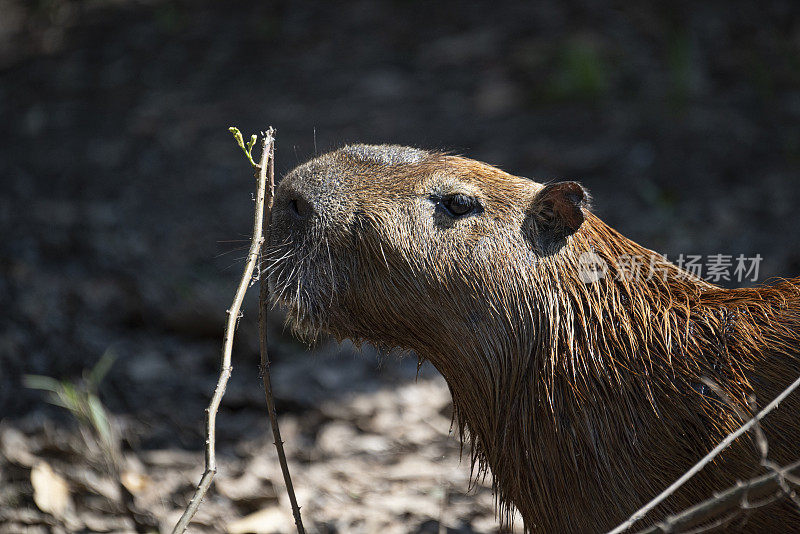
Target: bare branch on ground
x,y
724,444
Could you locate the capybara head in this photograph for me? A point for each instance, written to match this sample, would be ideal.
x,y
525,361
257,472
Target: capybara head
x,y
403,247
580,388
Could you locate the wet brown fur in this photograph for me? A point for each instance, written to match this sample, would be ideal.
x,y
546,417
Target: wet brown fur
x,y
584,400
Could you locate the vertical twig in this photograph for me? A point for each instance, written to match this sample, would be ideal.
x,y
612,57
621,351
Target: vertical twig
x,y
230,329
264,367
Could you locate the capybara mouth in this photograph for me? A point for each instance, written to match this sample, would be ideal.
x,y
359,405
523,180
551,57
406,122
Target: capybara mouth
x,y
297,285
302,316
301,323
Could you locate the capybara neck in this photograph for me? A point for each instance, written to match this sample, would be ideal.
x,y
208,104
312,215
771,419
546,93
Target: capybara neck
x,y
613,366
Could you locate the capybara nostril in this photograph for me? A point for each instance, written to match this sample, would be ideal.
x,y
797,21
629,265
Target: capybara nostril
x,y
300,207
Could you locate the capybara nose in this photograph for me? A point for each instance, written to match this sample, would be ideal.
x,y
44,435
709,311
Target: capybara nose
x,y
299,206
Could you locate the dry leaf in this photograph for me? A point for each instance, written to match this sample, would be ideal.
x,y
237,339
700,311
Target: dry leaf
x,y
14,445
266,521
50,491
135,482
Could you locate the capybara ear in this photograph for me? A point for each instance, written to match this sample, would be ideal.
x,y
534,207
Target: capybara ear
x,y
555,213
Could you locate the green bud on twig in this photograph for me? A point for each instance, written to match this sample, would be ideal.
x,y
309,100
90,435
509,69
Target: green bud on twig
x,y
248,150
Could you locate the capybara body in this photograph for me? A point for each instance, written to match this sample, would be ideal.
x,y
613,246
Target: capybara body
x,y
584,396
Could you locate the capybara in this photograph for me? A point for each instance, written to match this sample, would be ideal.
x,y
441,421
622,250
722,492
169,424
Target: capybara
x,y
578,386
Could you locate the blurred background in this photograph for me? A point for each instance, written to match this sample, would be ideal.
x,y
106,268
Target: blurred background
x,y
125,212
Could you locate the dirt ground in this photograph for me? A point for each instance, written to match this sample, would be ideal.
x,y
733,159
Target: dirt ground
x,y
125,213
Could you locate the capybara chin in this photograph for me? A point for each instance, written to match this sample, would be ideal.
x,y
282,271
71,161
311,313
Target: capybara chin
x,y
583,396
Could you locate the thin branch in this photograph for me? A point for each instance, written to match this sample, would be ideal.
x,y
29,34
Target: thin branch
x,y
705,461
759,438
757,488
227,345
263,305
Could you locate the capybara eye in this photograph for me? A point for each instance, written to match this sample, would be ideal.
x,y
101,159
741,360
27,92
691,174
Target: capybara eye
x,y
459,205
